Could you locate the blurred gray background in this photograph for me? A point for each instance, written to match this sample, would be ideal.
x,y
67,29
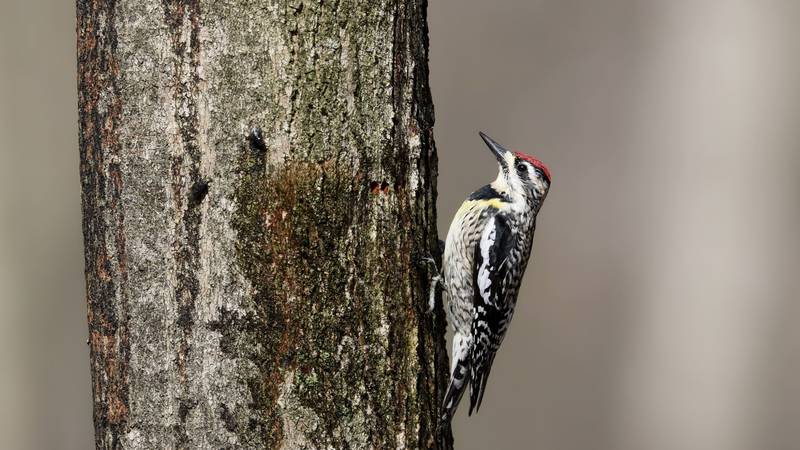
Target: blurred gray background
x,y
660,311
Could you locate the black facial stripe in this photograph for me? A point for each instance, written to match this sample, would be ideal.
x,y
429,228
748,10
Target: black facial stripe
x,y
540,174
522,169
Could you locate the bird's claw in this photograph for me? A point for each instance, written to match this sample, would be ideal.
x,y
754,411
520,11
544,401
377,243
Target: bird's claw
x,y
430,262
435,280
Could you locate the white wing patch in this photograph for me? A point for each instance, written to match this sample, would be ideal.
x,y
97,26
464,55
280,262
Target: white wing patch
x,y
487,241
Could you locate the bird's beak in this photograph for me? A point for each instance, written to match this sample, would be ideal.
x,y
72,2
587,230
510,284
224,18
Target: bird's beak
x,y
498,150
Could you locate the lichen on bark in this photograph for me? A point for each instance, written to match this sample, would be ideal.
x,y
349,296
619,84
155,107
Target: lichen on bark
x,y
271,297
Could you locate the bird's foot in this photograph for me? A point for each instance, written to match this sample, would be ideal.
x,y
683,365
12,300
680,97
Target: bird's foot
x,y
435,280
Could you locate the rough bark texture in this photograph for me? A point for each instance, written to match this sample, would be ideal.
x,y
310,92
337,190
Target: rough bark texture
x,y
245,297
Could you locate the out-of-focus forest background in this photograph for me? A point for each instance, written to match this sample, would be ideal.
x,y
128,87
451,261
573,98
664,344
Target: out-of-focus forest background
x,y
660,310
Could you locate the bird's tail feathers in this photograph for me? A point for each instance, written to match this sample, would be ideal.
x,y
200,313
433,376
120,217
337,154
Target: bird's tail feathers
x,y
459,376
481,368
459,379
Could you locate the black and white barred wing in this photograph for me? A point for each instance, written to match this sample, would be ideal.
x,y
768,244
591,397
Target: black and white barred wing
x,y
492,307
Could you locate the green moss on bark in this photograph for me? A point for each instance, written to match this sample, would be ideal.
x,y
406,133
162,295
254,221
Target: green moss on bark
x,y
305,324
329,261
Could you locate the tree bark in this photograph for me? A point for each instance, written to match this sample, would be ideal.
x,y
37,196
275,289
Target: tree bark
x,y
243,295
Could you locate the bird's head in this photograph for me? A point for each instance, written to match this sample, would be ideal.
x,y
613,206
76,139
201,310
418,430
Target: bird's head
x,y
520,174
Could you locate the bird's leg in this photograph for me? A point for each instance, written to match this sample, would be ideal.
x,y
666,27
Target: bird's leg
x,y
435,280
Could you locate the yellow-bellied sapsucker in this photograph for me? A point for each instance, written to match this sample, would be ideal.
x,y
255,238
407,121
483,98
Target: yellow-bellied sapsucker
x,y
485,256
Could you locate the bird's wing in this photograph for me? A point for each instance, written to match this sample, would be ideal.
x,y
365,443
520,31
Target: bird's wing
x,y
491,308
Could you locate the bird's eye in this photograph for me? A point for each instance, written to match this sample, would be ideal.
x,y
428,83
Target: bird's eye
x,y
521,167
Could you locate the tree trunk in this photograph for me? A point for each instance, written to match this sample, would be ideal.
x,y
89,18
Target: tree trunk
x,y
259,295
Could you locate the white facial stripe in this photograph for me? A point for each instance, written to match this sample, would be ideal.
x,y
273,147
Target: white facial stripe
x,y
512,186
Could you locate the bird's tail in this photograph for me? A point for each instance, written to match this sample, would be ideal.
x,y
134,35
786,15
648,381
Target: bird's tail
x,y
481,367
459,376
459,379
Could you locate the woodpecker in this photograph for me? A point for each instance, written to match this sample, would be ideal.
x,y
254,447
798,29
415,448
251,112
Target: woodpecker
x,y
485,256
